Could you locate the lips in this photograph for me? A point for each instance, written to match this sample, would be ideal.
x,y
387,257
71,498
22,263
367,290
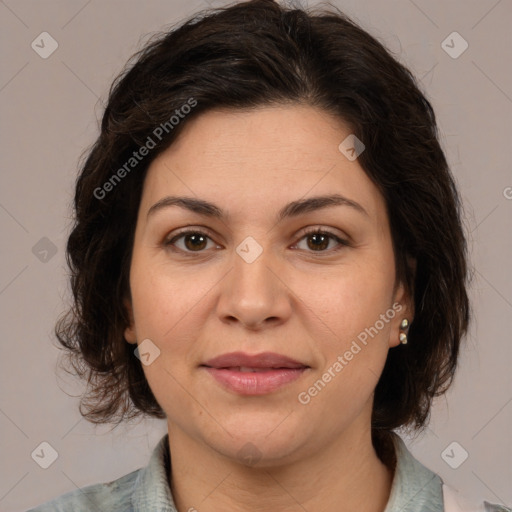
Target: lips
x,y
246,369
259,374
246,362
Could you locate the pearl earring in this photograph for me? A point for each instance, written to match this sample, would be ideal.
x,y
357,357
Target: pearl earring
x,y
403,336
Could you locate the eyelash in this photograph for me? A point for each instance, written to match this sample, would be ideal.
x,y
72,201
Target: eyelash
x,y
314,231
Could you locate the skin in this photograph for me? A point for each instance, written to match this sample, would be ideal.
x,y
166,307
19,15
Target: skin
x,y
294,299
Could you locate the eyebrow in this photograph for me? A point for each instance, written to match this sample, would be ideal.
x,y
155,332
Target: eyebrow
x,y
293,209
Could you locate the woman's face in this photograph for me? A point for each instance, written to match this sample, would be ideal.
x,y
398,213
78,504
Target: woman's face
x,y
254,281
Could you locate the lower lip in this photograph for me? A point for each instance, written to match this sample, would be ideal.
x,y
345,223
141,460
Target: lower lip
x,y
254,383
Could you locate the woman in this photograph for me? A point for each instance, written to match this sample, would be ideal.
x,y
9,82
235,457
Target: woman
x,y
268,253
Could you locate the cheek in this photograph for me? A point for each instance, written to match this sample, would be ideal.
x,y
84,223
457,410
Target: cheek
x,y
163,298
352,338
350,334
166,311
349,300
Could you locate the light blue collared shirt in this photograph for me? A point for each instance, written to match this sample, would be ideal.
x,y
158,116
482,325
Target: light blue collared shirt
x,y
415,488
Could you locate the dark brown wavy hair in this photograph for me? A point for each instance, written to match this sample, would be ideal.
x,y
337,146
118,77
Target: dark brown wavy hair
x,y
245,56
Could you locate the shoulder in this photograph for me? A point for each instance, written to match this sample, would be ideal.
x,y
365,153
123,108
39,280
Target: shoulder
x,y
455,502
113,496
143,489
416,488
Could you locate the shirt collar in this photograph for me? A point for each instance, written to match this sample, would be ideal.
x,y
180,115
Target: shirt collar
x,y
152,490
415,488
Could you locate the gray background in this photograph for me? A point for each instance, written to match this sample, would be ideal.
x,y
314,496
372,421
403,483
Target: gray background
x,y
50,110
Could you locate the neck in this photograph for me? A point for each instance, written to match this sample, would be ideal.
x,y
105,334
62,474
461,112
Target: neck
x,y
347,475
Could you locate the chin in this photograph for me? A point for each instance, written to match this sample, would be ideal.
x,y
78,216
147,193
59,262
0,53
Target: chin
x,y
261,440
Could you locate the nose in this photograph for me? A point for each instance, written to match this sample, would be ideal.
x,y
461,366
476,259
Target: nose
x,y
254,294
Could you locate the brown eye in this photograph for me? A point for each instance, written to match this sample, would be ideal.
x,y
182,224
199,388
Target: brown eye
x,y
193,241
318,241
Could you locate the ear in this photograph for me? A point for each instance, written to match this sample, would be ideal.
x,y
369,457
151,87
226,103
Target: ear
x,y
403,305
129,333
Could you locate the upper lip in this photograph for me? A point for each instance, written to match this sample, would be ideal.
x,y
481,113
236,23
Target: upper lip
x,y
263,360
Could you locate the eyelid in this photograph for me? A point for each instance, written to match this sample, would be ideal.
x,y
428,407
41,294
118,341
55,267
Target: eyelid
x,y
313,230
309,230
168,241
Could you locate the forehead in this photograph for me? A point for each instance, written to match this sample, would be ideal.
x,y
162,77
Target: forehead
x,y
260,159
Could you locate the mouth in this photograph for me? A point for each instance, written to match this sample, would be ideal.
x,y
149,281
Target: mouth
x,y
254,374
253,362
246,369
